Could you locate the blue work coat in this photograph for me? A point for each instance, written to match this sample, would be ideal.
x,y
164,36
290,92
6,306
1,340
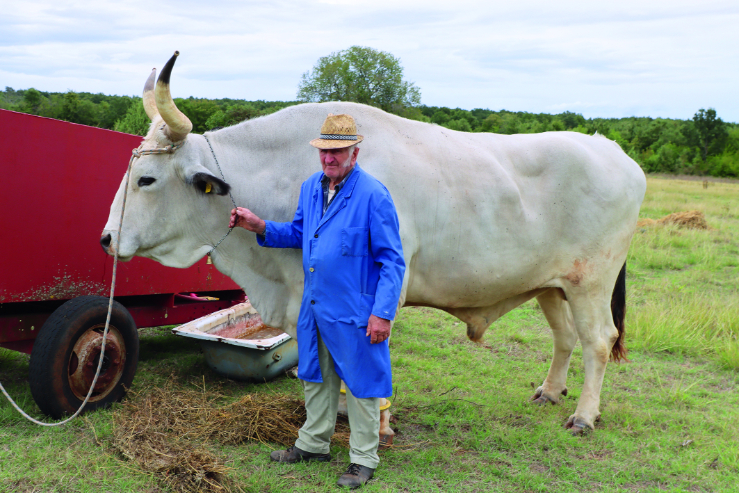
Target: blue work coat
x,y
353,265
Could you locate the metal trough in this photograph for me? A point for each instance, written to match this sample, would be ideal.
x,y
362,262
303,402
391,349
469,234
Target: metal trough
x,y
238,345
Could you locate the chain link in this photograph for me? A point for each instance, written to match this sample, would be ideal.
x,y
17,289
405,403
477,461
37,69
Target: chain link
x,y
229,194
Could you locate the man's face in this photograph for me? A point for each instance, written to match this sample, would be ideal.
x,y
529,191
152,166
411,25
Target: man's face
x,y
337,163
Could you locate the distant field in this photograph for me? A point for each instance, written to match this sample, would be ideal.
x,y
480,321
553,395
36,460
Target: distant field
x,y
464,422
684,283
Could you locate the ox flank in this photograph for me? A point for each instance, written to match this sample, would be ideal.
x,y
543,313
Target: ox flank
x,y
487,221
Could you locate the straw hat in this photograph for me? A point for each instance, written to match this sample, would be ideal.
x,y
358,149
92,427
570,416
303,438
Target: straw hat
x,y
337,132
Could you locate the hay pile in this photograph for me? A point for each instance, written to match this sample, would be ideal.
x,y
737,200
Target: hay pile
x,y
164,431
143,432
687,219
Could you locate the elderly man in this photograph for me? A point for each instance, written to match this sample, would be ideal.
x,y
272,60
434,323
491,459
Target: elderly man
x,y
347,226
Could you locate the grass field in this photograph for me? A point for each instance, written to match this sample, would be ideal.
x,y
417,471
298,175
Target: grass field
x,y
464,423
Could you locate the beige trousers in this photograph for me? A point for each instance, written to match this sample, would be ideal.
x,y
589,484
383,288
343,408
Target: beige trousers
x,y
321,405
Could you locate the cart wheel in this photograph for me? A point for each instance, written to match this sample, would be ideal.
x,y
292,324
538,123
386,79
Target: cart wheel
x,y
66,353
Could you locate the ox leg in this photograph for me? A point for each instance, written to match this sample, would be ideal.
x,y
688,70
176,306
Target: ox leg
x,y
558,314
591,312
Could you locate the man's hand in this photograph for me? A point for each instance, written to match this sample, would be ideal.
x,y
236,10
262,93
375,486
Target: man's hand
x,y
244,218
378,328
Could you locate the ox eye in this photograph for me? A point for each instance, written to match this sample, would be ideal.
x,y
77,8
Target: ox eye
x,y
146,180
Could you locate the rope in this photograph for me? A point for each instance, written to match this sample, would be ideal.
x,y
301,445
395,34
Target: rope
x,y
135,154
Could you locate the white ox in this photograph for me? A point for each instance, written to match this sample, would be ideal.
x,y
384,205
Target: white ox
x,y
487,221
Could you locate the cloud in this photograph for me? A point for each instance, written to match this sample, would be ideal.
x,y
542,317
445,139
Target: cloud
x,y
632,57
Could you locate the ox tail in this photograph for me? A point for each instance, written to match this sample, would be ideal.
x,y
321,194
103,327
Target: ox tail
x,y
618,310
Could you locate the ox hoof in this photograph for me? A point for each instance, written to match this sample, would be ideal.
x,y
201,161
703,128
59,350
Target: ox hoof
x,y
541,399
578,426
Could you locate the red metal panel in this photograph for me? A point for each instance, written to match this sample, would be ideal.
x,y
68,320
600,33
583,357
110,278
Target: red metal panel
x,y
24,346
171,311
20,322
21,326
59,180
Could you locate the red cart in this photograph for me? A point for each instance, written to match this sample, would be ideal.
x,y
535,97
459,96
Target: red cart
x,y
59,180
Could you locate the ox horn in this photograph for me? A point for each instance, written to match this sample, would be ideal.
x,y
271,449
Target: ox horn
x,y
150,103
179,125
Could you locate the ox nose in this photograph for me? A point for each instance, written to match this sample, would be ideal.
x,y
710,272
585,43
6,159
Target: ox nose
x,y
105,242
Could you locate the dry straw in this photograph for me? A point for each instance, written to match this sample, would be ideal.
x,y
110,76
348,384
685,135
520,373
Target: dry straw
x,y
165,431
687,219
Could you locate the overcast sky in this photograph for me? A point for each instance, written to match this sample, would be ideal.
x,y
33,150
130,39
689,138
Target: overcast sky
x,y
631,57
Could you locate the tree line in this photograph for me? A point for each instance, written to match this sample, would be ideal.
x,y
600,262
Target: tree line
x,y
126,113
701,145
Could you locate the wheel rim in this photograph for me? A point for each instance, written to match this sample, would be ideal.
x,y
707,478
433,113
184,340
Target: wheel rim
x,y
83,362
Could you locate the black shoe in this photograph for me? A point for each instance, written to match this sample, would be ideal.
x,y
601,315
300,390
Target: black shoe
x,y
355,476
294,454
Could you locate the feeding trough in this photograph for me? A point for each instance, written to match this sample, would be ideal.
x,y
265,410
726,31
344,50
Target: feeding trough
x,y
237,344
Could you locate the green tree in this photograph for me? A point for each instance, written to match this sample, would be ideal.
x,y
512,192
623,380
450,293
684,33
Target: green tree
x,y
414,113
360,74
557,125
52,106
77,110
198,111
32,99
216,120
571,120
711,131
12,96
135,121
491,123
462,124
732,141
237,113
440,117
615,136
509,124
113,109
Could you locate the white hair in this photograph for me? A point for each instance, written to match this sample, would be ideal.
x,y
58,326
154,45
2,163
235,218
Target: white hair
x,y
349,159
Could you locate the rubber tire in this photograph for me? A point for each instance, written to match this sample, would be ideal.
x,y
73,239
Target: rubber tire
x,y
48,367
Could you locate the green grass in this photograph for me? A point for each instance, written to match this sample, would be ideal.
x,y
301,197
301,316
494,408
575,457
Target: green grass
x,y
683,289
464,422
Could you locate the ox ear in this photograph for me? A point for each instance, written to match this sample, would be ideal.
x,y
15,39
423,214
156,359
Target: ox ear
x,y
199,177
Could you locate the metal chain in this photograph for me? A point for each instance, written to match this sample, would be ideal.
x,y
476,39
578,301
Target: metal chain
x,y
219,168
135,154
229,194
